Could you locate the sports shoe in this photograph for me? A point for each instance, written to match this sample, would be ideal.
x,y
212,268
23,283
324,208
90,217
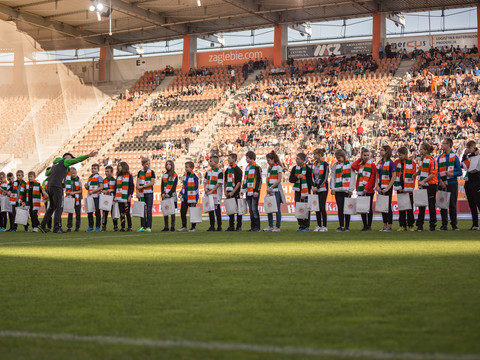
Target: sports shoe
x,y
324,229
115,229
306,229
172,229
388,229
347,230
13,230
474,228
59,231
148,230
182,229
97,230
89,229
268,229
68,230
219,229
35,230
275,229
432,229
129,229
2,229
455,228
122,230
141,230
317,229
300,230
77,230
411,228
230,229
166,229
238,229
192,230
211,228
104,229
402,229
419,229
340,229
443,228
383,229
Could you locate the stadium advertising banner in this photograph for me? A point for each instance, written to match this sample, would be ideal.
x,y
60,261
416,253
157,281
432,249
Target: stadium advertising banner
x,y
233,57
410,43
327,49
461,40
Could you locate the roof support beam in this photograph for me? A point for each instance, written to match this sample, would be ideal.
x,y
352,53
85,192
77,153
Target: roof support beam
x,y
253,8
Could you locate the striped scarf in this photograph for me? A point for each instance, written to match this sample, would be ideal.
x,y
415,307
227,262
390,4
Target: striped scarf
x,y
321,170
230,174
35,201
143,178
109,183
17,192
425,167
92,184
404,172
384,173
272,176
68,181
212,179
4,187
121,192
364,174
44,185
301,184
343,175
445,166
190,188
249,179
466,165
167,182
77,186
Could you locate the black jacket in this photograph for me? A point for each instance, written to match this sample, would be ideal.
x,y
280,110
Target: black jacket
x,y
293,178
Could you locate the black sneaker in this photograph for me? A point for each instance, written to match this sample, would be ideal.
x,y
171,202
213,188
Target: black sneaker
x,y
68,230
443,228
211,228
77,230
364,228
166,229
432,229
238,229
219,229
474,228
419,229
104,229
122,230
230,229
455,228
40,228
172,229
340,229
129,230
59,231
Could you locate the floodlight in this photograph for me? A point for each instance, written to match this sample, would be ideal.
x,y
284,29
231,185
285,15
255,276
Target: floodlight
x,y
91,8
100,6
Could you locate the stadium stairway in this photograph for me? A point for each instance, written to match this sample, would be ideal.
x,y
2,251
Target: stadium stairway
x,y
207,137
388,95
113,141
78,137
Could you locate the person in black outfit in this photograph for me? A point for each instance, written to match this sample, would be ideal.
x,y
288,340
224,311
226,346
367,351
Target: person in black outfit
x,y
56,176
472,183
235,192
300,176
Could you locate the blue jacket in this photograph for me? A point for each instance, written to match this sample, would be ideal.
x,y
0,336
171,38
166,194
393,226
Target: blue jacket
x,y
183,192
457,171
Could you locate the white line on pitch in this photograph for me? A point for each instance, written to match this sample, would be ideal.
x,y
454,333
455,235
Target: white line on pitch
x,y
64,239
269,349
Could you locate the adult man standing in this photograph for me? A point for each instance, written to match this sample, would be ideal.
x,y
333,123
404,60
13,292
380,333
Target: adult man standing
x,y
449,169
56,176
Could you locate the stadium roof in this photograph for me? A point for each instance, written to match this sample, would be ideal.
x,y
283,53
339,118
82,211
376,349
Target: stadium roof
x,y
68,24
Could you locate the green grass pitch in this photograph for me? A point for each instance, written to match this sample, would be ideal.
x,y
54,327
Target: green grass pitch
x,y
241,296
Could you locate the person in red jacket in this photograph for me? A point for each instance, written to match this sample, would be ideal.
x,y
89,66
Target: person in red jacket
x,y
367,171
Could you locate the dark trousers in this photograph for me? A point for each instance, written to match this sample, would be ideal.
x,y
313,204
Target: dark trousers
x,y
78,217
388,217
472,190
183,213
165,221
55,196
231,223
343,219
14,213
322,214
11,218
124,208
252,203
3,220
105,218
452,207
218,213
406,217
49,223
367,218
146,221
34,217
432,197
302,223
98,216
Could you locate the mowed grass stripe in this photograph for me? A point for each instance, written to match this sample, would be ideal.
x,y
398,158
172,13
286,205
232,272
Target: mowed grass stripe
x,y
268,349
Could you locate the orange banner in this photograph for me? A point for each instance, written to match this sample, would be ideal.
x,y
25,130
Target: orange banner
x,y
233,57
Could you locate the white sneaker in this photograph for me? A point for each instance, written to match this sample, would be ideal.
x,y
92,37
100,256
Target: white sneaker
x,y
268,229
317,229
35,229
275,229
192,230
182,229
324,229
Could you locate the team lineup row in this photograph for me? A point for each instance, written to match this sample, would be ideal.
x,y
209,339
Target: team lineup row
x,y
62,192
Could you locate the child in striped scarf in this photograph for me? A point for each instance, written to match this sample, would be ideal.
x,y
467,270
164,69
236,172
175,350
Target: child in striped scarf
x,y
214,186
145,182
169,190
472,183
123,194
233,183
385,179
94,186
17,195
301,178
427,179
74,189
366,175
189,195
109,186
404,183
274,185
33,199
10,181
252,181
